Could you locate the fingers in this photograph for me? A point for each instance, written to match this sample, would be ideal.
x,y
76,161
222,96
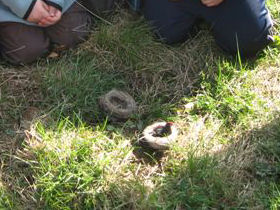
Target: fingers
x,y
54,15
211,3
45,6
48,21
53,11
45,22
39,11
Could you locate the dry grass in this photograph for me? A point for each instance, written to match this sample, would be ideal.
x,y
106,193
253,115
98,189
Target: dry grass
x,y
214,163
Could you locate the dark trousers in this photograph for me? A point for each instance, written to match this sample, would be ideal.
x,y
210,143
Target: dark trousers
x,y
21,43
236,24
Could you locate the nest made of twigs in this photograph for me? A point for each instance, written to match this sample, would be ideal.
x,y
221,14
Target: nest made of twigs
x,y
160,135
117,103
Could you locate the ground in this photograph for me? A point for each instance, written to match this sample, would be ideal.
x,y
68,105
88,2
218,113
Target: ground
x,y
59,150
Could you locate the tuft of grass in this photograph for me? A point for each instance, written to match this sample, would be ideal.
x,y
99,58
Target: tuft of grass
x,y
75,165
197,182
225,94
75,87
6,200
275,198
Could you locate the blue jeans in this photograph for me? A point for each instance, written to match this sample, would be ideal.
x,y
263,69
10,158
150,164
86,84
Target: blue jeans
x,y
237,25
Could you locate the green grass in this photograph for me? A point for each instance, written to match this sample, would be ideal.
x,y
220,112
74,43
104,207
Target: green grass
x,y
69,155
72,170
227,95
6,200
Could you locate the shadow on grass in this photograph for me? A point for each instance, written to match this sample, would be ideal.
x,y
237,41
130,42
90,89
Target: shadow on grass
x,y
147,155
241,176
207,181
125,56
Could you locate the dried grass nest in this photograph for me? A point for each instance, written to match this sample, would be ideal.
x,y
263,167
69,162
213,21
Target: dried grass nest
x,y
160,135
117,103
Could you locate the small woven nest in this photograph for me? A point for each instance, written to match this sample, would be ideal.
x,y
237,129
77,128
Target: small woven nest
x,y
117,103
160,135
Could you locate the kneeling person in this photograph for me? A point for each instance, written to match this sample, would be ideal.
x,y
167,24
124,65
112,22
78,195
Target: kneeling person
x,y
238,25
29,27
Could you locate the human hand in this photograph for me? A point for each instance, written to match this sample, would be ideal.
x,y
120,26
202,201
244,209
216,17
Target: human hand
x,y
39,12
211,3
54,16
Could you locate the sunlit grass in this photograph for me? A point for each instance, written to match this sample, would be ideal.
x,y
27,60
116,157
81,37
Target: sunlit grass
x,y
72,156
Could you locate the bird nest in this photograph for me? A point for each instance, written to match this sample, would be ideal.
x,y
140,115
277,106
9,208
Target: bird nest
x,y
160,135
117,103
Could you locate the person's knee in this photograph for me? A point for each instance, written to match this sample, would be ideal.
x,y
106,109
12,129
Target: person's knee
x,y
73,28
247,37
172,33
170,21
22,43
246,44
251,47
171,36
26,53
73,38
